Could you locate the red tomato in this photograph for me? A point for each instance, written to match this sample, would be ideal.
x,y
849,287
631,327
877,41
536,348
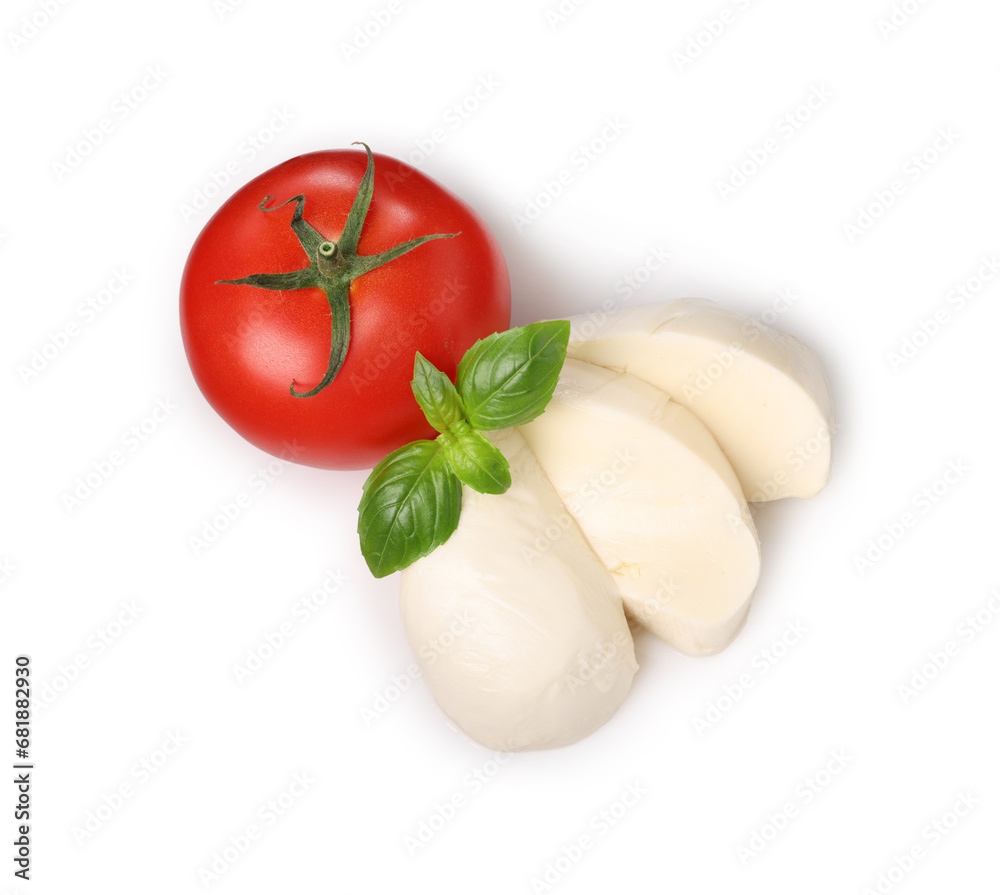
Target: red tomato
x,y
247,344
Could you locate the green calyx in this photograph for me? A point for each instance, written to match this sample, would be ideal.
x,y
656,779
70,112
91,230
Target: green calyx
x,y
413,498
332,267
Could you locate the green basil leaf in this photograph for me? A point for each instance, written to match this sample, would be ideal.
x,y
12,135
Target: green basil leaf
x,y
477,461
410,504
507,379
435,394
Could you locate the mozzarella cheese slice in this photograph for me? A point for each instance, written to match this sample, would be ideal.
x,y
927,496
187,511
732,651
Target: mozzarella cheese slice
x,y
761,392
657,500
517,626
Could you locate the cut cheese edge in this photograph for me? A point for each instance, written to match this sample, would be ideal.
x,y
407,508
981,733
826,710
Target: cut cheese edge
x,y
761,392
657,500
517,626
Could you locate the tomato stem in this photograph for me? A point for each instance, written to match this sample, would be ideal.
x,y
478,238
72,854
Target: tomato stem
x,y
332,267
337,295
329,259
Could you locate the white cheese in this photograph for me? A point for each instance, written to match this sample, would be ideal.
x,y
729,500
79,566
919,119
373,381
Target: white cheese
x,y
656,498
761,392
517,626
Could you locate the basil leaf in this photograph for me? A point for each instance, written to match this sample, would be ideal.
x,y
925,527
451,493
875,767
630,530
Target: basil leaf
x,y
477,461
413,498
507,379
435,394
410,504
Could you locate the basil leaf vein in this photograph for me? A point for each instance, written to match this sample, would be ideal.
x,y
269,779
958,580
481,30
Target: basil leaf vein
x,y
478,462
508,378
435,394
410,504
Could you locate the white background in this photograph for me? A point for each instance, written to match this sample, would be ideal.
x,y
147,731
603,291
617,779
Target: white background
x,y
219,73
